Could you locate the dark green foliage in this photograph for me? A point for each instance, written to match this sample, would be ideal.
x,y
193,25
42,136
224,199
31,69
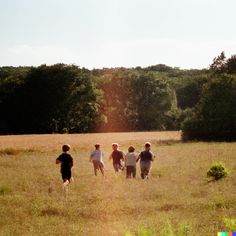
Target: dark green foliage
x,y
217,171
231,64
219,64
4,189
215,114
67,99
50,99
152,98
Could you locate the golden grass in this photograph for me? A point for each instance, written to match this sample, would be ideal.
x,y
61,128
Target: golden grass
x,y
177,196
49,142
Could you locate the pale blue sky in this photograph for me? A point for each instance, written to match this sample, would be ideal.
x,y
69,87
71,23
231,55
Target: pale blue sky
x,y
112,33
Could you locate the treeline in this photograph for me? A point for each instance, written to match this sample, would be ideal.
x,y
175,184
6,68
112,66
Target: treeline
x,y
68,99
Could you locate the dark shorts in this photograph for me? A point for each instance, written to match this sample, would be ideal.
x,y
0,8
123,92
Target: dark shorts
x,y
130,170
66,174
118,166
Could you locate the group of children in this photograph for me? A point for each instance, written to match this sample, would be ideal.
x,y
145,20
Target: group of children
x,y
120,160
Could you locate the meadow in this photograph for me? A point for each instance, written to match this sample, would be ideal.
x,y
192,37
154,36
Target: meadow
x,y
178,199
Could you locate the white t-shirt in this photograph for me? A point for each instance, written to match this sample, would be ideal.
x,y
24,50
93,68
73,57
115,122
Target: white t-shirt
x,y
97,155
130,159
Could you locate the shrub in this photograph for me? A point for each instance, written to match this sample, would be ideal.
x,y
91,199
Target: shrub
x,y
167,230
5,190
141,231
9,151
230,224
217,171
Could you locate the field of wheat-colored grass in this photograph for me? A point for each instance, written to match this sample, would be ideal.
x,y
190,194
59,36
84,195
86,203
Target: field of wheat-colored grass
x,y
178,199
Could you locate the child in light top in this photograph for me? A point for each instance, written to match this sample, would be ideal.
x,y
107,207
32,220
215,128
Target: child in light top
x,y
130,162
96,157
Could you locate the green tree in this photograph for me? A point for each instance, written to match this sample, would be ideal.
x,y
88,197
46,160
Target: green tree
x,y
215,115
58,98
151,99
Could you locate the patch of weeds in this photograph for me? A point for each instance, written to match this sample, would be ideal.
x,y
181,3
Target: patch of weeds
x,y
9,151
156,174
128,233
14,151
167,230
230,223
50,211
37,207
183,230
5,190
141,231
40,209
223,204
169,207
217,171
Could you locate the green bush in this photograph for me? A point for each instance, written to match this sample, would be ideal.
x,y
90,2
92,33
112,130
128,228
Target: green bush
x,y
5,190
230,224
217,171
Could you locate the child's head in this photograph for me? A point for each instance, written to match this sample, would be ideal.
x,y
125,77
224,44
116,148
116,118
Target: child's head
x,y
65,147
97,146
147,146
115,146
131,149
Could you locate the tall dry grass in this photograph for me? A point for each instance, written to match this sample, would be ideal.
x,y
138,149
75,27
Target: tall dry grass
x,y
178,199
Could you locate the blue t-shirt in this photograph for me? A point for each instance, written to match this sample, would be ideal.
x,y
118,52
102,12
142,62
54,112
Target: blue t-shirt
x,y
146,156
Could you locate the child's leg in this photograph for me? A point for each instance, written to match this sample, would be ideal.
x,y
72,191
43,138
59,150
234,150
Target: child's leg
x,y
128,171
95,167
101,167
66,182
95,171
148,167
116,167
134,171
102,170
142,169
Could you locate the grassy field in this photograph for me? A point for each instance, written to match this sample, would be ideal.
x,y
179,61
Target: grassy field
x,y
178,199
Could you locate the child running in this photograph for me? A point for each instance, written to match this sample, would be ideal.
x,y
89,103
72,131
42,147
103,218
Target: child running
x,y
146,157
66,161
96,158
130,163
118,157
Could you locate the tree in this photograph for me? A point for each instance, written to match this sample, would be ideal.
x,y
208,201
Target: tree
x,y
215,115
152,98
231,64
219,64
56,98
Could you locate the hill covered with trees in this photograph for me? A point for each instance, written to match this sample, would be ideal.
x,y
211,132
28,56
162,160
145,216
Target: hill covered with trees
x,y
69,99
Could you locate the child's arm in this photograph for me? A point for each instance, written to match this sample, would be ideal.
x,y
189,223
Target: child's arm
x,y
71,163
123,156
91,156
138,158
153,157
110,157
58,161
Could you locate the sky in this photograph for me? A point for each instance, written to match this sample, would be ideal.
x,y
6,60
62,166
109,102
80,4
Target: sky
x,y
116,33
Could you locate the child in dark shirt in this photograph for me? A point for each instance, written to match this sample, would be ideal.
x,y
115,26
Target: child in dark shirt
x,y
118,158
66,161
146,158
